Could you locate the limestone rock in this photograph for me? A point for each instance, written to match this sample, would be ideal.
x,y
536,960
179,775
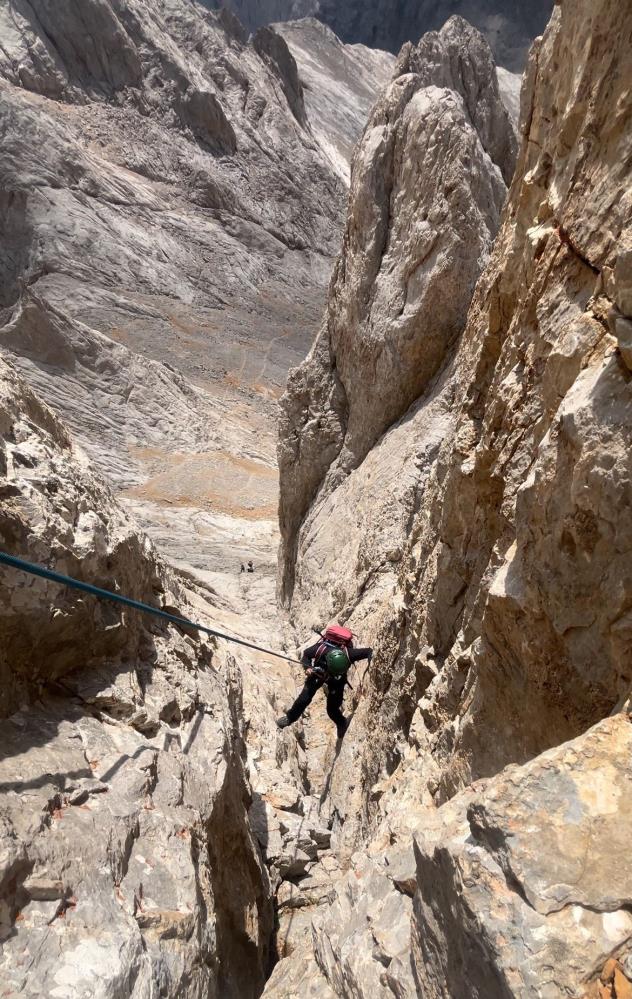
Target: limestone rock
x,y
203,113
521,870
54,512
293,979
163,226
479,543
508,565
126,858
458,58
508,29
340,85
273,48
424,207
364,941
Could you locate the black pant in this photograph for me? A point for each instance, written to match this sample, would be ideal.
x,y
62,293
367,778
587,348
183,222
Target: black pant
x,y
335,693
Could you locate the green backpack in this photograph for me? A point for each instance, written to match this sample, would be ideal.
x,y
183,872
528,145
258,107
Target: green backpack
x,y
337,662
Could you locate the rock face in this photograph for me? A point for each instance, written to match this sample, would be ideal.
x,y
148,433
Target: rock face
x,y
127,864
479,797
86,534
167,214
508,28
175,239
340,85
520,854
426,196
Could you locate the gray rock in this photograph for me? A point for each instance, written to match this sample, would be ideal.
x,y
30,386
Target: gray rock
x,y
273,49
508,30
340,83
292,863
513,875
490,524
203,113
424,207
166,248
114,846
622,330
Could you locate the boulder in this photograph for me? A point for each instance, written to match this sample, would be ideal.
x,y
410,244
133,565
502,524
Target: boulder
x,y
521,869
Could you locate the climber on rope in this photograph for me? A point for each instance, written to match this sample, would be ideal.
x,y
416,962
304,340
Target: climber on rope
x,y
326,663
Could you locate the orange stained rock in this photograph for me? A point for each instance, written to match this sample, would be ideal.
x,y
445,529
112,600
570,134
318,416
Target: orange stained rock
x,y
622,985
608,970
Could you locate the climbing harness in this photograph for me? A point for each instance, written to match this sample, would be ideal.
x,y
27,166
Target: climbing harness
x,y
96,591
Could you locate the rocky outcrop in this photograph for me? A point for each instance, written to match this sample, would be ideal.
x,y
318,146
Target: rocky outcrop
x,y
126,859
340,84
520,853
508,29
481,545
425,205
272,47
503,891
53,509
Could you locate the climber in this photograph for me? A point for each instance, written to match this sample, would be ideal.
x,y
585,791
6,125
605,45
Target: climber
x,y
327,663
251,567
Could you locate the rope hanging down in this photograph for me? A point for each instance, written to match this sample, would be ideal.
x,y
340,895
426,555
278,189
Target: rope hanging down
x,y
96,591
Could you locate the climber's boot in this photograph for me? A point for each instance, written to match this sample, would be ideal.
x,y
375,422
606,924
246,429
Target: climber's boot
x,y
283,721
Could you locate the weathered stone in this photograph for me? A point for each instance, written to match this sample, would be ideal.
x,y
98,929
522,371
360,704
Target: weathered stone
x,y
422,189
622,330
340,83
162,239
293,862
108,831
509,30
622,985
510,870
203,113
489,524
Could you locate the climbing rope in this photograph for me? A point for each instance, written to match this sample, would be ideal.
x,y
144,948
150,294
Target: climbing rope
x,y
97,591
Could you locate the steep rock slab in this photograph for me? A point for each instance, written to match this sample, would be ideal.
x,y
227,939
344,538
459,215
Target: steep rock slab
x,y
510,608
424,208
194,73
518,557
340,85
505,630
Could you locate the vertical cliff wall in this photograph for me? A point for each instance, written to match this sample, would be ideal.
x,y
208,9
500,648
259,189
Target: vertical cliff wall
x,y
490,532
426,195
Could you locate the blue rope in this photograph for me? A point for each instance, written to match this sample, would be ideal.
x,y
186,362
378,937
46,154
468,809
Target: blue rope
x,y
96,591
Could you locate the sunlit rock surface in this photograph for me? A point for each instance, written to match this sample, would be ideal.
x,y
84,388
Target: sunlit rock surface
x,y
487,760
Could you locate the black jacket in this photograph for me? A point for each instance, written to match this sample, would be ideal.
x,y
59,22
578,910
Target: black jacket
x,y
309,660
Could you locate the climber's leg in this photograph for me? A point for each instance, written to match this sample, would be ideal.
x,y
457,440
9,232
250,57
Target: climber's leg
x,y
304,699
335,694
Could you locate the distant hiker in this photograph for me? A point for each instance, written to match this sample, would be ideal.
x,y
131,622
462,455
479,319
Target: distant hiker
x,y
326,663
243,567
251,567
